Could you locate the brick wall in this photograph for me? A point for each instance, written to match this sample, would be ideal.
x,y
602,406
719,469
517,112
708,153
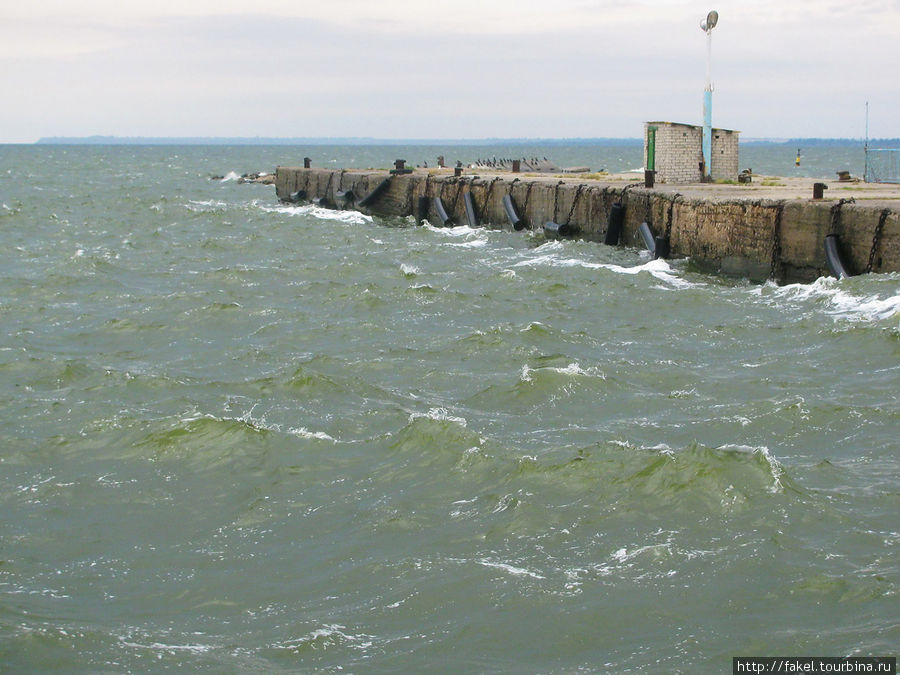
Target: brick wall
x,y
679,152
724,154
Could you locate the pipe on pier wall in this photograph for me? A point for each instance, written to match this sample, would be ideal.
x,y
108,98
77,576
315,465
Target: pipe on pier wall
x,y
759,239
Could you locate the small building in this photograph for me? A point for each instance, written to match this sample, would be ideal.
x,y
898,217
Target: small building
x,y
675,152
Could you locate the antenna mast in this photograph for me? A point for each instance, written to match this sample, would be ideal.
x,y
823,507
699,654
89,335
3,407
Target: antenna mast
x,y
866,147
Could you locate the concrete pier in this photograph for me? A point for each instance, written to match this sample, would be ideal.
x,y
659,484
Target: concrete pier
x,y
768,229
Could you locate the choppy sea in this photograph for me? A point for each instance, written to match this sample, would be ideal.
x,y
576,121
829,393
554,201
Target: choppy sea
x,y
243,437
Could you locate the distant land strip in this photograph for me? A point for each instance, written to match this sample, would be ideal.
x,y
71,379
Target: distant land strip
x,y
261,140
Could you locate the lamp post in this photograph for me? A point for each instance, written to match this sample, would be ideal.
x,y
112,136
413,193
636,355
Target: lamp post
x,y
711,20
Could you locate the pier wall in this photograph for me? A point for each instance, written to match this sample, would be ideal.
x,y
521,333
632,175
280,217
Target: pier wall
x,y
759,239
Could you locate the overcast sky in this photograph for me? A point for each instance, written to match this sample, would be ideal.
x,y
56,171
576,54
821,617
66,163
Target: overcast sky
x,y
444,68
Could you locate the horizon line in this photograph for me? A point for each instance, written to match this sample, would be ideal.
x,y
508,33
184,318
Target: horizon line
x,y
103,139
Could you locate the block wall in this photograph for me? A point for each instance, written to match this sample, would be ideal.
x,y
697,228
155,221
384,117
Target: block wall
x,y
724,154
679,152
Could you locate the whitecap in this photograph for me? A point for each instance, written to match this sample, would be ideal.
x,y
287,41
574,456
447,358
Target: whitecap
x,y
327,634
474,237
511,569
161,646
438,414
471,243
201,206
552,245
303,432
348,217
775,467
623,555
659,268
572,370
871,308
840,302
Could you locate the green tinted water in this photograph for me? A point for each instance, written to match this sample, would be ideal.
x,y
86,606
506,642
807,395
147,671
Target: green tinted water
x,y
242,437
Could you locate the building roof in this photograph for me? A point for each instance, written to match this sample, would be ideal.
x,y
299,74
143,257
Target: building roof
x,y
693,126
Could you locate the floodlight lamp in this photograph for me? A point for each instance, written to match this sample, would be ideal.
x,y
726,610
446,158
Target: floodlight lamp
x,y
711,20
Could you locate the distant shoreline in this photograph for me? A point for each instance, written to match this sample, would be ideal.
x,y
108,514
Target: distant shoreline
x,y
363,141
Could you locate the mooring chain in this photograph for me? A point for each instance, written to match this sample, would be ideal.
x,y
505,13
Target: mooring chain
x,y
527,195
671,213
327,185
556,199
603,192
876,238
574,203
776,240
627,188
487,198
621,198
836,213
341,180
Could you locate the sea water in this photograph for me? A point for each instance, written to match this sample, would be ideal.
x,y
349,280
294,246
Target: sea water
x,y
240,436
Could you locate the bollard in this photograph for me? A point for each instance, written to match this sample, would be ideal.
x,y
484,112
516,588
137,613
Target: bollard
x,y
400,167
516,166
818,189
649,178
457,171
306,162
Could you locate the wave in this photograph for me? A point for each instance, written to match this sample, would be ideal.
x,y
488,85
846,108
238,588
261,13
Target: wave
x,y
347,217
471,237
454,231
433,438
330,636
570,371
510,569
206,206
843,300
438,414
546,383
662,479
659,269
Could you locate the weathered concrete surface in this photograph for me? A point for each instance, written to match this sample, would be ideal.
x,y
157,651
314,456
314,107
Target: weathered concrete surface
x,y
757,231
